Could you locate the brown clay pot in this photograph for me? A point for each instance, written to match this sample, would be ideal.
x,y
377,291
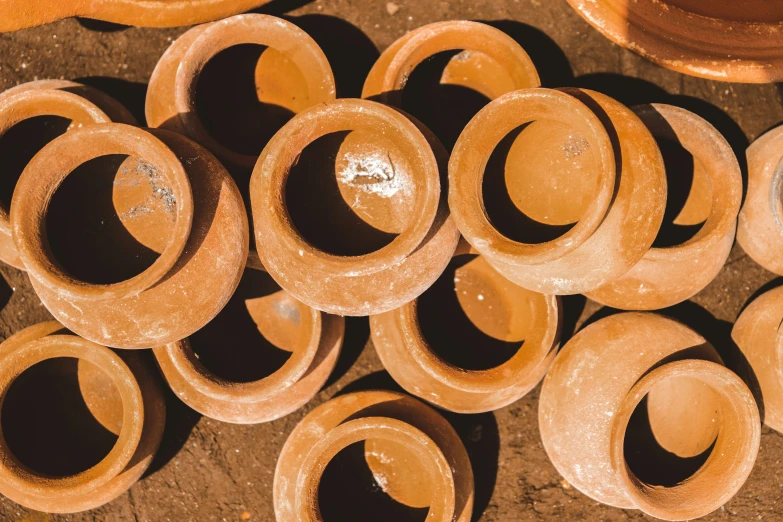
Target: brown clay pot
x,y
170,196
312,338
386,179
595,210
81,104
415,456
638,412
122,395
760,224
667,276
719,40
494,311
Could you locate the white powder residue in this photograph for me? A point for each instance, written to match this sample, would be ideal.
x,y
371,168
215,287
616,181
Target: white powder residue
x,y
374,174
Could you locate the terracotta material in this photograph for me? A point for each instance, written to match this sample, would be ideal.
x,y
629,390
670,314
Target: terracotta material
x,y
414,454
122,394
171,196
387,177
694,407
81,104
19,14
313,338
760,225
670,275
721,39
561,173
495,306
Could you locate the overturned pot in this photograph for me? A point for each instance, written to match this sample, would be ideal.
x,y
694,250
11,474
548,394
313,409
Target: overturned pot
x,y
666,428
414,455
120,396
537,187
119,228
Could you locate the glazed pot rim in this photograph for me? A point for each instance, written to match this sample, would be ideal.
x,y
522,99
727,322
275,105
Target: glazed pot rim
x,y
253,28
738,404
39,182
474,148
13,364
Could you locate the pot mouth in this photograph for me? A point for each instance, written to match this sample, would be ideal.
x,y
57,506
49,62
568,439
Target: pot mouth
x,y
265,30
47,171
475,147
12,364
730,459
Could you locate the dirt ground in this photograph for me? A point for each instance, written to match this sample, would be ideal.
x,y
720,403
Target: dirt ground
x,y
210,471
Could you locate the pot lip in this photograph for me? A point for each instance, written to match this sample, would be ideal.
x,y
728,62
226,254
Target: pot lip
x,y
752,56
39,182
267,185
13,363
666,503
246,28
476,144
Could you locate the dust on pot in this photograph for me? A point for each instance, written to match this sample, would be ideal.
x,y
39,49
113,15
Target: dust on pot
x,y
705,193
638,412
80,424
119,229
349,216
406,448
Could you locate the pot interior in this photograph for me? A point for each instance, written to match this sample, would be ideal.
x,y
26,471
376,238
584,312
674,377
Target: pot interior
x,y
758,11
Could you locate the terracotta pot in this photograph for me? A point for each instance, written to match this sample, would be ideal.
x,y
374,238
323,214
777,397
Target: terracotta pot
x,y
725,41
760,225
599,208
172,197
592,418
313,338
414,454
123,396
670,275
493,310
386,181
19,14
81,104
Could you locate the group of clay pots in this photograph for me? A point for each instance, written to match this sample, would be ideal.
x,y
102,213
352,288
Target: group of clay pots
x,y
582,169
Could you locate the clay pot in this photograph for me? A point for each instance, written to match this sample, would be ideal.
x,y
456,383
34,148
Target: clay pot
x,y
79,103
312,338
414,454
20,14
670,275
122,395
637,411
369,234
170,199
471,308
537,188
725,41
760,224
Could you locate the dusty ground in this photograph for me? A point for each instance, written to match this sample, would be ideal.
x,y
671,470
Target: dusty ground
x,y
211,471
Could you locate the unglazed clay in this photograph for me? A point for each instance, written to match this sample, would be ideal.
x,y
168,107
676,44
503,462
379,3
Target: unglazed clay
x,y
670,275
412,451
387,176
171,196
720,40
122,394
563,172
81,104
695,406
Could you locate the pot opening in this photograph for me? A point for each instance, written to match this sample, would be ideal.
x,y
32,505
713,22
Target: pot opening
x,y
759,11
672,431
540,181
472,317
110,219
265,90
62,416
351,193
374,480
254,335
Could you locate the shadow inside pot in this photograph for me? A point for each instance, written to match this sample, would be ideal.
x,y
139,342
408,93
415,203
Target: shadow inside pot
x,y
357,333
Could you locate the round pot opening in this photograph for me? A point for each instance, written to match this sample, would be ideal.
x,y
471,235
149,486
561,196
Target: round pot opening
x,y
753,11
